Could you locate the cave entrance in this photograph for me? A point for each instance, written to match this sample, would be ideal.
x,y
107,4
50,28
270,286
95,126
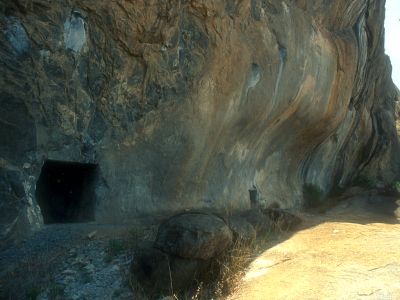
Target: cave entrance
x,y
65,191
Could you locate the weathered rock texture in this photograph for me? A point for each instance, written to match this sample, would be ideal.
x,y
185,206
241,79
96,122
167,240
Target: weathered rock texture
x,y
190,103
194,235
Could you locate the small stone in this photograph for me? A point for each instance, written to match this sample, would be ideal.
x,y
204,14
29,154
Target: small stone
x,y
115,268
92,234
89,268
69,272
79,260
68,279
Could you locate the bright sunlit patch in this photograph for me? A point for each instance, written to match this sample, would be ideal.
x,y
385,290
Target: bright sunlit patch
x,y
392,38
258,268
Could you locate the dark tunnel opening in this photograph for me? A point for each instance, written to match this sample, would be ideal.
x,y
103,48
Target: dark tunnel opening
x,y
65,191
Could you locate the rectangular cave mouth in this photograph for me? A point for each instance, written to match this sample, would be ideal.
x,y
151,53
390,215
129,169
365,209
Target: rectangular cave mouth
x,y
65,191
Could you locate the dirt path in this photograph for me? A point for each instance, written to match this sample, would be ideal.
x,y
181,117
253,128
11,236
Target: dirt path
x,y
352,252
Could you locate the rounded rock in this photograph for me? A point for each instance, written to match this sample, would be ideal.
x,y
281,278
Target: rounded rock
x,y
194,235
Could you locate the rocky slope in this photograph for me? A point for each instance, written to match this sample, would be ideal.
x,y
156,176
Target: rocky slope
x,y
191,103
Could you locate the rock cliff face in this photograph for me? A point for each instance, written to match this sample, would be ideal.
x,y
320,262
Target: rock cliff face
x,y
191,103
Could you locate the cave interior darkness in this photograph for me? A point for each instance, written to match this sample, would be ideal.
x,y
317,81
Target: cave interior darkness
x,y
65,192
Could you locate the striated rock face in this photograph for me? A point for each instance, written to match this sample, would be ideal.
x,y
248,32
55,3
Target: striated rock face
x,y
191,103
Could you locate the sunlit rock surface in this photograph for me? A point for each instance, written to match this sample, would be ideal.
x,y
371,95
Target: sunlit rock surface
x,y
192,103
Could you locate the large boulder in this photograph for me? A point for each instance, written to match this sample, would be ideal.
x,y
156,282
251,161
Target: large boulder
x,y
260,221
243,232
194,235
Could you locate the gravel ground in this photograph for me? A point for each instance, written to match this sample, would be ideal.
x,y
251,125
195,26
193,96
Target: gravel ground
x,y
55,237
69,261
88,272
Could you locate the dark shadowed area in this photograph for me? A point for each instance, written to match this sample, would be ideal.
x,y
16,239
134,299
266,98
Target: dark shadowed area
x,y
65,192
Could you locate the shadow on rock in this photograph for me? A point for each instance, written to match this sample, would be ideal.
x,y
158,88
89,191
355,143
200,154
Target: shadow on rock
x,y
192,248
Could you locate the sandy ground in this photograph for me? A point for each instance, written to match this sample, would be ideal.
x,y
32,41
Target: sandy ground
x,y
351,252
